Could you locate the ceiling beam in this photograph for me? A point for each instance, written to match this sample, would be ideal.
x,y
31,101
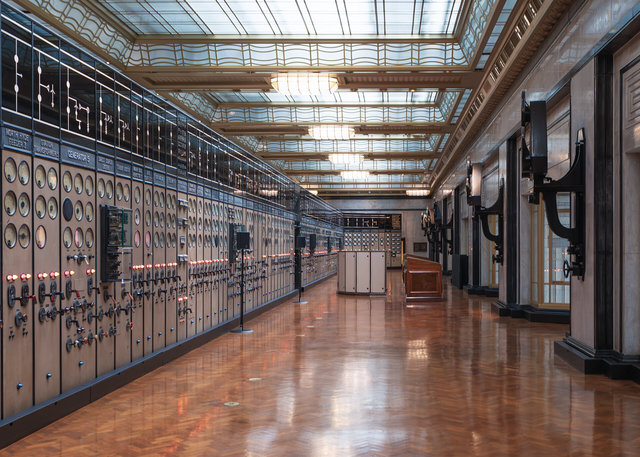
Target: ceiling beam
x,y
208,39
301,129
306,172
393,155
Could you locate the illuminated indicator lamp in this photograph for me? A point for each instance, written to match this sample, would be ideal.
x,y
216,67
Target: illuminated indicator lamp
x,y
25,276
54,274
9,277
149,266
90,271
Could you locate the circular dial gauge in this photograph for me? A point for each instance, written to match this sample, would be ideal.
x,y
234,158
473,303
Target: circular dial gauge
x,y
52,208
119,192
88,185
136,194
10,170
67,237
136,216
88,212
23,172
155,239
24,204
147,218
10,203
41,207
147,197
126,192
78,238
67,181
161,200
41,177
162,240
100,187
161,219
52,178
41,237
156,199
136,238
147,239
109,189
78,183
156,219
78,211
10,235
24,235
88,238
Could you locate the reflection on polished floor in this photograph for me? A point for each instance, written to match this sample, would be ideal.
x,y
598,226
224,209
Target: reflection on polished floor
x,y
345,376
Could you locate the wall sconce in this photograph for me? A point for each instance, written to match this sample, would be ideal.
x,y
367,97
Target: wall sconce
x,y
474,191
534,167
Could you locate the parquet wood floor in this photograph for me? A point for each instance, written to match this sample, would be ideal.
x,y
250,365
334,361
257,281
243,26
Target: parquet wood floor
x,y
347,376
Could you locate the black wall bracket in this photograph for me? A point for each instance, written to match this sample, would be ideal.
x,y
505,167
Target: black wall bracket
x,y
447,241
534,166
482,213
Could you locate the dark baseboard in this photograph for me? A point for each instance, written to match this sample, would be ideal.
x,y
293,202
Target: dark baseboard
x,y
531,313
608,363
28,421
490,291
474,290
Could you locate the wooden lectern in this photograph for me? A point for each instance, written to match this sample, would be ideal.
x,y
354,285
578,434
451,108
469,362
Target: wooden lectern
x,y
422,279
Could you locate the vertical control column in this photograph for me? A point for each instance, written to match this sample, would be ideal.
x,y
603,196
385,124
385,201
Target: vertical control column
x,y
182,222
138,346
126,317
172,278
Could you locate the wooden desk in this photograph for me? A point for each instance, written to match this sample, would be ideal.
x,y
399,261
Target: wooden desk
x,y
422,279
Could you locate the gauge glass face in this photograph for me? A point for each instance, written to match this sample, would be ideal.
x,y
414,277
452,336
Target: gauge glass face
x,y
41,207
136,238
10,203
23,172
101,188
162,240
126,193
52,208
156,199
24,235
109,190
119,191
156,219
136,194
41,237
10,235
88,238
88,185
199,240
24,204
200,207
147,239
78,211
78,183
67,181
147,197
155,239
41,177
78,238
161,219
10,170
67,237
52,178
147,218
136,216
161,200
88,212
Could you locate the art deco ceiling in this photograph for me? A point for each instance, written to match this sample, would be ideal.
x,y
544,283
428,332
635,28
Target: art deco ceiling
x,y
412,75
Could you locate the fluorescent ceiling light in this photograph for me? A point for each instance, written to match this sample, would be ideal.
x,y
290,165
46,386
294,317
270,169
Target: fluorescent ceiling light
x,y
314,192
417,192
354,175
331,132
304,83
269,192
346,159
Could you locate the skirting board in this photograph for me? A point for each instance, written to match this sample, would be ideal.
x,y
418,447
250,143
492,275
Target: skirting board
x,y
531,313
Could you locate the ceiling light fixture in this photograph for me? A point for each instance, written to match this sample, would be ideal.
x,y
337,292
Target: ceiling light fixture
x,y
354,175
331,132
314,192
304,83
417,192
345,159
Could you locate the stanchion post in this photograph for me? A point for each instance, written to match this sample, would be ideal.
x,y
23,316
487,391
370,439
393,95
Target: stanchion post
x,y
243,243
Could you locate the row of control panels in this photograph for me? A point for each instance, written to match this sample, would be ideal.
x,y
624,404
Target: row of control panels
x,y
101,269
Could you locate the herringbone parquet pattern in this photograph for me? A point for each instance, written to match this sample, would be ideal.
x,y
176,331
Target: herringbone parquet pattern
x,y
368,378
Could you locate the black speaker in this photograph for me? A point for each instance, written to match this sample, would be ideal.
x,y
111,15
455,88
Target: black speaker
x,y
242,240
312,242
301,242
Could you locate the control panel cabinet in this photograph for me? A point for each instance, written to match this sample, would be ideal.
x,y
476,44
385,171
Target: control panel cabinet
x,y
137,290
169,282
125,311
46,277
156,268
78,310
184,311
151,340
106,300
18,303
